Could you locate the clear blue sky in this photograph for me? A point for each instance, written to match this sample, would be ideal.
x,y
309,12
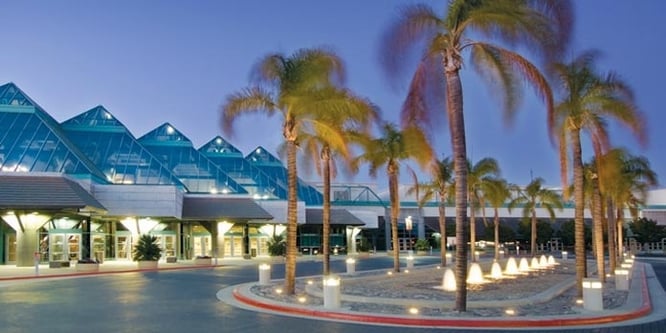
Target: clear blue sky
x,y
155,61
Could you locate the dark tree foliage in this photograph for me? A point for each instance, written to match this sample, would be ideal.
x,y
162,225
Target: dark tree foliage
x,y
647,231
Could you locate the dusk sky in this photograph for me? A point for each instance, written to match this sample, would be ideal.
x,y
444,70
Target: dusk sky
x,y
150,62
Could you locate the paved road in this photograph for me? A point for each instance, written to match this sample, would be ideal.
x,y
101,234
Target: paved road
x,y
179,301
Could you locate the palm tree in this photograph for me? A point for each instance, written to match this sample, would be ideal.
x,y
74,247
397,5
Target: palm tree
x,y
588,100
480,173
534,196
474,26
624,180
592,194
290,86
496,192
440,185
390,149
346,117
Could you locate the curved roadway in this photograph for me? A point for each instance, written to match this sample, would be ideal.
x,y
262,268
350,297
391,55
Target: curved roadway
x,y
185,301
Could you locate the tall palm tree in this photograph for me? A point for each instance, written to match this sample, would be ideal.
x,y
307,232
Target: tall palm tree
x,y
390,149
496,193
347,116
534,196
290,86
588,100
485,170
440,186
474,26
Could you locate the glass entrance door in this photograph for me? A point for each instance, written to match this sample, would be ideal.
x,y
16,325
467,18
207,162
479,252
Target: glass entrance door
x,y
202,245
10,248
64,247
123,247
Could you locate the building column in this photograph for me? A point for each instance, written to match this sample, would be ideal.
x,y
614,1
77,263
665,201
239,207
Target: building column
x,y
27,235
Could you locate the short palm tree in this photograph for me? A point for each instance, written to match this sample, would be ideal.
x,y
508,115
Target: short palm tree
x,y
483,171
390,149
496,193
292,87
624,179
588,100
482,28
440,186
534,196
347,117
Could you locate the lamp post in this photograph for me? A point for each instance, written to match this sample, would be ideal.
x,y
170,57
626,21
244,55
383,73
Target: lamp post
x,y
408,226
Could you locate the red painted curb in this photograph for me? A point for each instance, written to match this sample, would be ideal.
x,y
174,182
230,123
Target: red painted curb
x,y
646,308
83,274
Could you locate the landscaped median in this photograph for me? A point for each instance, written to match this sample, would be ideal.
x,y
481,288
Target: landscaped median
x,y
405,312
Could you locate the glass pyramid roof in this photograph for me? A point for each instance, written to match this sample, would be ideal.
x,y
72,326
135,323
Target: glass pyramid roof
x,y
272,166
32,141
115,151
191,166
259,184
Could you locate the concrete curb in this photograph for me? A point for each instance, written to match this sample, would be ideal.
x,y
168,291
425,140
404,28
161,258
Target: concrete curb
x,y
98,273
240,295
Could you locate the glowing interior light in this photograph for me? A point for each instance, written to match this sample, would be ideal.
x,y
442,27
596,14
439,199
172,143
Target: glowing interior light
x,y
258,150
218,141
169,130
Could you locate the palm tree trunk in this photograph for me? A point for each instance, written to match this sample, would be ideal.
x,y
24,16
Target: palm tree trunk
x,y
395,210
454,102
612,253
442,227
598,231
579,209
326,211
620,233
496,234
292,213
533,232
472,234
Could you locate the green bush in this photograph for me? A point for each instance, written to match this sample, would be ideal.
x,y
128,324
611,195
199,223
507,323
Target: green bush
x,y
277,246
422,245
147,249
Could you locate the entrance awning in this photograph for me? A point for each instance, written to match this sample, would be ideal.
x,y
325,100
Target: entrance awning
x,y
45,192
217,208
338,217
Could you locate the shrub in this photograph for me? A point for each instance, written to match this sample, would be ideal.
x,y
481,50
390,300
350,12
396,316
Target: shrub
x,y
147,249
422,245
277,246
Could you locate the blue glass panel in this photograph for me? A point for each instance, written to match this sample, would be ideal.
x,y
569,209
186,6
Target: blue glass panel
x,y
192,168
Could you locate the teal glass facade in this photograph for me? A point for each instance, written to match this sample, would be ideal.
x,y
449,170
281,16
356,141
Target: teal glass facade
x,y
115,151
193,168
32,141
259,184
272,166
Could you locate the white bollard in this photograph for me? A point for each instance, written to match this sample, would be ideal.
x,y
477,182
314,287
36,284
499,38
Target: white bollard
x,y
629,267
621,279
565,255
592,294
410,262
501,254
351,265
264,274
331,292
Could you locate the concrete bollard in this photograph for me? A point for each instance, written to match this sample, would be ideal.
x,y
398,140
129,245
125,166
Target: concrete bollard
x,y
621,279
331,292
264,274
351,265
593,294
410,262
